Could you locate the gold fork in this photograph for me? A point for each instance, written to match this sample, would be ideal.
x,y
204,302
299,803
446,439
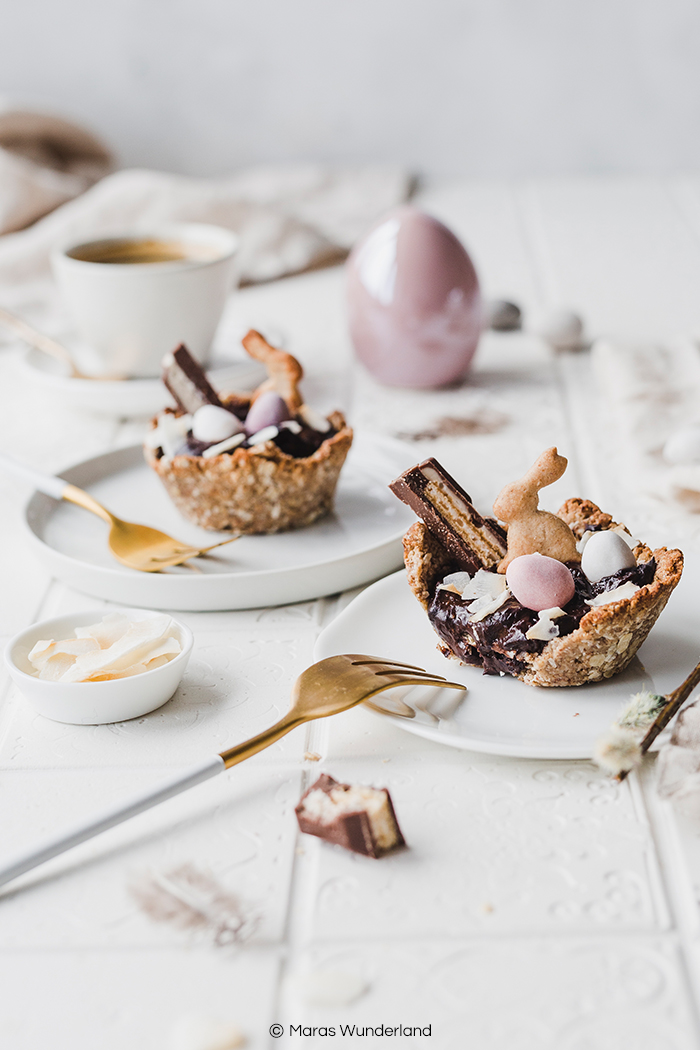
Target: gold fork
x,y
326,688
138,546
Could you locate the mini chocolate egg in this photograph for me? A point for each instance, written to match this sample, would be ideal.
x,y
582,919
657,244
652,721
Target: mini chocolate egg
x,y
539,582
604,554
212,424
503,316
562,329
414,305
268,410
683,446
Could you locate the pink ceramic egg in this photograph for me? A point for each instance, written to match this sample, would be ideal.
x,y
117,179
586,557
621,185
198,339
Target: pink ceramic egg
x,y
539,582
268,410
414,303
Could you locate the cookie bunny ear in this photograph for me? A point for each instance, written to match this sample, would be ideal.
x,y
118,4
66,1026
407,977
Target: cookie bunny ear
x,y
547,469
522,496
284,371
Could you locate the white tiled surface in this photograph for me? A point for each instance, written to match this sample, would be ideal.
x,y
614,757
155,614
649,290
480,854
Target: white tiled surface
x,y
538,905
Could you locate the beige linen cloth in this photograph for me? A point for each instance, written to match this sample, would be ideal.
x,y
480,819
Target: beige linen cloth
x,y
289,217
44,162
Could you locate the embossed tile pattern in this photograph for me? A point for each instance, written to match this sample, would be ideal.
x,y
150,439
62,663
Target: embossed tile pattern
x,y
564,994
495,845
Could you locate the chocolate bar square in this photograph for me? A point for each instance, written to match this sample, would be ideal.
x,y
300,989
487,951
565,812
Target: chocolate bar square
x,y
361,819
475,542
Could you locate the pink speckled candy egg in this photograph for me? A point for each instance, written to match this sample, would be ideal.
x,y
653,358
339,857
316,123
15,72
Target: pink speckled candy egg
x,y
268,410
414,303
539,582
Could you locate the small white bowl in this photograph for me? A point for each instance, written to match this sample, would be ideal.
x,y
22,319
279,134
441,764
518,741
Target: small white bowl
x,y
94,703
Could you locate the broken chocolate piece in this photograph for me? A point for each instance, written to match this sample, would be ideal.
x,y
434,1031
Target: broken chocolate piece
x,y
358,818
447,510
185,379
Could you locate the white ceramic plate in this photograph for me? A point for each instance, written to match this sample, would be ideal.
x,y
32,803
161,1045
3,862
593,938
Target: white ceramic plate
x,y
361,541
500,715
128,398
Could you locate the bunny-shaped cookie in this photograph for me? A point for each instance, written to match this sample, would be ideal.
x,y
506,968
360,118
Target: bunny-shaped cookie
x,y
530,530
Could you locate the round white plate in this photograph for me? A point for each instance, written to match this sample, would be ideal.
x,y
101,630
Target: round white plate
x,y
359,542
500,715
127,398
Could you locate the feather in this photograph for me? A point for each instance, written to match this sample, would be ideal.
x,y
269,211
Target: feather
x,y
192,899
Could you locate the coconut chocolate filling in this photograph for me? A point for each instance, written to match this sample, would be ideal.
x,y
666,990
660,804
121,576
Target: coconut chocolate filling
x,y
497,641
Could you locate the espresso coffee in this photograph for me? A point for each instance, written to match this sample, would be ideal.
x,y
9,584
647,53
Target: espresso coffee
x,y
132,251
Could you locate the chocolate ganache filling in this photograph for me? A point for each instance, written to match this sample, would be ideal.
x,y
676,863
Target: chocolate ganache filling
x,y
496,641
298,444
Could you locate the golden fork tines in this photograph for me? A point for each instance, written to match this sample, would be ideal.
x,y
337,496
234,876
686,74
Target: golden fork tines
x,y
139,546
334,685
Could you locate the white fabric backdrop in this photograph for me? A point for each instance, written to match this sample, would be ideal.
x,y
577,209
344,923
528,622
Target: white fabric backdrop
x,y
472,87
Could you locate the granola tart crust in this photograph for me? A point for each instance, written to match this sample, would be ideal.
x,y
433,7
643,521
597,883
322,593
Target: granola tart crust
x,y
606,638
259,489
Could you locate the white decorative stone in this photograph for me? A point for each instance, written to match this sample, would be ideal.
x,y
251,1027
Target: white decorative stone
x,y
211,423
197,1032
562,329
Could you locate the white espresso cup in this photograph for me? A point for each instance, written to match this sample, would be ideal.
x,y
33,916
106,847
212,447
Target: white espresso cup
x,y
135,296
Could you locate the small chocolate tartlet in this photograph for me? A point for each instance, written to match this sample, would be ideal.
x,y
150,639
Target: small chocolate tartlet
x,y
359,818
282,477
589,641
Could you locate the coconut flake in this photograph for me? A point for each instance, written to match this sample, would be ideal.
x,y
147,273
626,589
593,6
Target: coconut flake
x,y
169,433
626,536
545,629
626,590
115,648
314,419
486,583
266,434
224,446
485,605
455,582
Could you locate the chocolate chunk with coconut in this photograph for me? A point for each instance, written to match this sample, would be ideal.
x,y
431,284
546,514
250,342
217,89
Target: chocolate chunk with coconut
x,y
475,542
359,818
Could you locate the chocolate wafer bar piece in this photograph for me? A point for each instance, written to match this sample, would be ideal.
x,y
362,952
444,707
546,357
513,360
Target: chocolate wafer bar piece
x,y
447,510
358,818
185,379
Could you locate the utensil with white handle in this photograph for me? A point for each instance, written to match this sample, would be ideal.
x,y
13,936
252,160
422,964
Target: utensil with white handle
x,y
326,688
138,546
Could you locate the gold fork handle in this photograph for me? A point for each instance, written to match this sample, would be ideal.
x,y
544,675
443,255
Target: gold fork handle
x,y
240,752
84,500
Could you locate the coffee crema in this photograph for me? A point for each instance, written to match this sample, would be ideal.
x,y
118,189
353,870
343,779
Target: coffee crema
x,y
140,251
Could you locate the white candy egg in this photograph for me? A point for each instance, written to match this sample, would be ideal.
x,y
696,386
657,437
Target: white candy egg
x,y
683,446
562,329
211,423
604,554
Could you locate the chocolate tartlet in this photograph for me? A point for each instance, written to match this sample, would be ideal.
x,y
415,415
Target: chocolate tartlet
x,y
280,473
596,633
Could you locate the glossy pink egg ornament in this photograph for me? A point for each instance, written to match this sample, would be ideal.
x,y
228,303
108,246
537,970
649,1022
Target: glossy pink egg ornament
x,y
414,303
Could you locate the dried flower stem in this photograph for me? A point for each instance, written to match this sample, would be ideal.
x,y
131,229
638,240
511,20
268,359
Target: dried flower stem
x,y
674,701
